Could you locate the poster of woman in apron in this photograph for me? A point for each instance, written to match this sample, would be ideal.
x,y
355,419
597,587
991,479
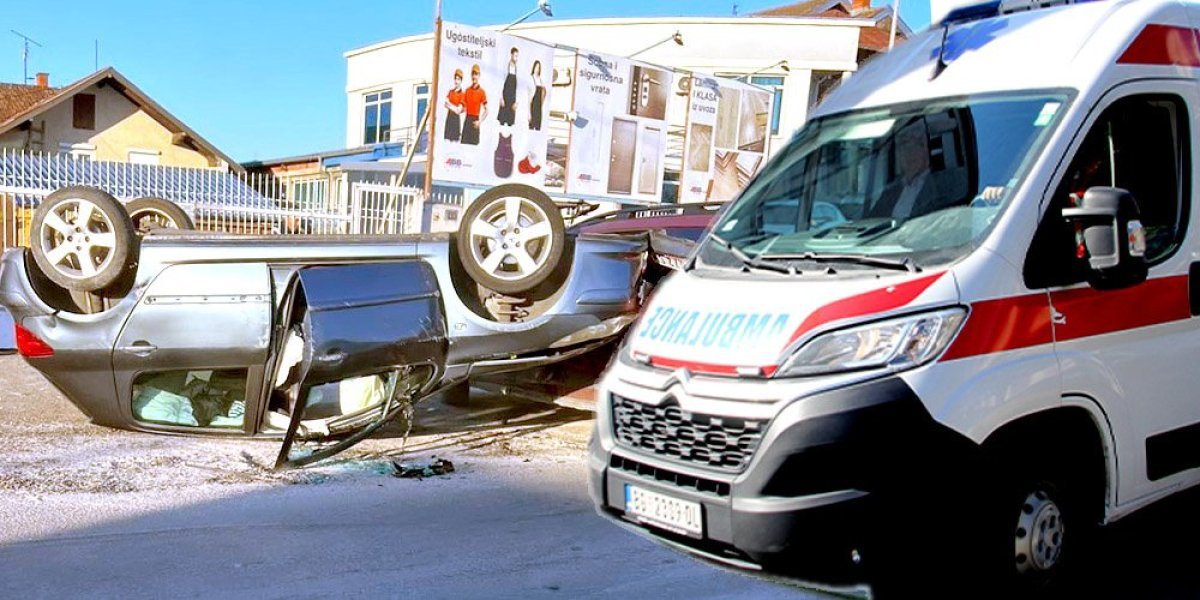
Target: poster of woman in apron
x,y
508,96
537,98
455,107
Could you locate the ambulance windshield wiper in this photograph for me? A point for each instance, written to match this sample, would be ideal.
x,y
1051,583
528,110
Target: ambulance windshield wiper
x,y
862,259
752,262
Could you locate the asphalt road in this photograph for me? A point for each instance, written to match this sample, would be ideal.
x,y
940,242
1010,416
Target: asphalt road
x,y
85,511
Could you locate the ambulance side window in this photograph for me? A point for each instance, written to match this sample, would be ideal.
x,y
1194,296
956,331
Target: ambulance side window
x,y
1140,143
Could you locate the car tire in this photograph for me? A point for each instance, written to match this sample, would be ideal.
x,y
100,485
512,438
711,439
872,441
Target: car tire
x,y
511,238
82,239
150,213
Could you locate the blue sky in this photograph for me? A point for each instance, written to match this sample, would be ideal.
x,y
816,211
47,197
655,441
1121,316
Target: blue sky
x,y
265,79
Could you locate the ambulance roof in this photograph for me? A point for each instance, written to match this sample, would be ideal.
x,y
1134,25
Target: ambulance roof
x,y
1082,46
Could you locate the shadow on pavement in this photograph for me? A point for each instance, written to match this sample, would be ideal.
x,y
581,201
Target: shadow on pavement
x,y
484,420
1151,554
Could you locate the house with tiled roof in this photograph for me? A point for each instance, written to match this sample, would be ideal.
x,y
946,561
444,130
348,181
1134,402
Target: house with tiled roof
x,y
104,117
878,36
871,40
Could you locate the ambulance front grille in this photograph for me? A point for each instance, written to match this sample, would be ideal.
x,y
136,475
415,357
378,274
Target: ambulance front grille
x,y
723,443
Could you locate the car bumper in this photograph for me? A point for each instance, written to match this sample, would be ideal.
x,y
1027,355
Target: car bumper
x,y
813,488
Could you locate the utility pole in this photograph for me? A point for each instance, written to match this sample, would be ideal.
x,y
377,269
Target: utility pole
x,y
433,97
895,18
25,54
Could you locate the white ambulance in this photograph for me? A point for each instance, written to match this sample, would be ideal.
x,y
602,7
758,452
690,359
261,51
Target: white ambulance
x,y
956,314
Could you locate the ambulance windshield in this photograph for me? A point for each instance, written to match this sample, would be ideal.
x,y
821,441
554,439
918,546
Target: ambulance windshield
x,y
917,184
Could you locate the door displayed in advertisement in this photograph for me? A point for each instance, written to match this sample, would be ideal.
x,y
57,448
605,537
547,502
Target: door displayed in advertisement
x,y
726,138
620,114
648,168
492,108
620,158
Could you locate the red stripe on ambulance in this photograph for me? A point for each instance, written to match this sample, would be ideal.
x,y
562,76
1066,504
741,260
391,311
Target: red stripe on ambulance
x,y
1163,45
1003,324
868,303
1024,321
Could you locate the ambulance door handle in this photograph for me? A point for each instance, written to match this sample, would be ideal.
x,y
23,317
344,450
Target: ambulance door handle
x,y
1057,318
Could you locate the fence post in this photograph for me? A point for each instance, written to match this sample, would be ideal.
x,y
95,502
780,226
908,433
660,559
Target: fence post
x,y
10,220
356,195
419,208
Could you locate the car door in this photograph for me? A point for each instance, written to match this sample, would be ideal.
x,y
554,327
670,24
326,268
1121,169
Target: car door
x,y
190,357
1133,350
361,340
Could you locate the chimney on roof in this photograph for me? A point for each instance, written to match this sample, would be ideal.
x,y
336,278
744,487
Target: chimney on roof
x,y
858,6
43,80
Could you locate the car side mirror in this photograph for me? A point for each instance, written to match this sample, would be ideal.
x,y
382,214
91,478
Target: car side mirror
x,y
1113,236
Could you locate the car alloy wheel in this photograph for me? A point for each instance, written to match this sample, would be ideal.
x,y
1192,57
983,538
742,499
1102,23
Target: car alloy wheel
x,y
78,239
510,238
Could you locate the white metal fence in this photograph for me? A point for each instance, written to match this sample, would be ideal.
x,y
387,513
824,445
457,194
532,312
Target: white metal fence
x,y
385,209
322,204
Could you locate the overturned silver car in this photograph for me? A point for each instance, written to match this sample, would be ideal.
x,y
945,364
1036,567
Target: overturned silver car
x,y
314,340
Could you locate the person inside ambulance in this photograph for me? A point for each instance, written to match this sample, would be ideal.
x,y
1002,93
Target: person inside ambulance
x,y
915,191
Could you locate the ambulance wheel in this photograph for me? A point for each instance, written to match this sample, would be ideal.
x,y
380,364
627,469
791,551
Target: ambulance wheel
x,y
1042,525
511,238
82,239
1039,523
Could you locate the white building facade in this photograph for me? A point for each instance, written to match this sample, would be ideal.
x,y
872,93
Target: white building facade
x,y
388,84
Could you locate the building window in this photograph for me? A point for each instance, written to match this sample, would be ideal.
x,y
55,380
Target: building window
x,y
84,114
144,157
421,93
823,82
774,83
377,117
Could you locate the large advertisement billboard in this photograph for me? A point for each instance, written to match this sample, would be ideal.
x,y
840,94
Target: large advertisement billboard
x,y
727,132
492,107
618,129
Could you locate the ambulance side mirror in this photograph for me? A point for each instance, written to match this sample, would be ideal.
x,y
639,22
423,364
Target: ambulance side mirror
x,y
1113,236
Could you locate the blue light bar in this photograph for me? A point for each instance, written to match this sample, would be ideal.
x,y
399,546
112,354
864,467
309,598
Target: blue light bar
x,y
972,12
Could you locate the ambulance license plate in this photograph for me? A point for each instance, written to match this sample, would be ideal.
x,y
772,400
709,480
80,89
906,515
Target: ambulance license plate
x,y
672,514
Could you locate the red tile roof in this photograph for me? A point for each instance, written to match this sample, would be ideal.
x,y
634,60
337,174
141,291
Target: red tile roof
x,y
799,9
16,98
876,39
821,8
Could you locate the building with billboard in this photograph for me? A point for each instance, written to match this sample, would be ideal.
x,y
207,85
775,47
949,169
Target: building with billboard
x,y
800,50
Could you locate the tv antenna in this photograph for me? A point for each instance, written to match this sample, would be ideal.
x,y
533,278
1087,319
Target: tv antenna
x,y
25,53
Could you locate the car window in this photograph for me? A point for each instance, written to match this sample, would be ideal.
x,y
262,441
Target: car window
x,y
191,398
1139,144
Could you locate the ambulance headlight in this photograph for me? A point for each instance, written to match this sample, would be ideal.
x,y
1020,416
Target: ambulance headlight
x,y
896,344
